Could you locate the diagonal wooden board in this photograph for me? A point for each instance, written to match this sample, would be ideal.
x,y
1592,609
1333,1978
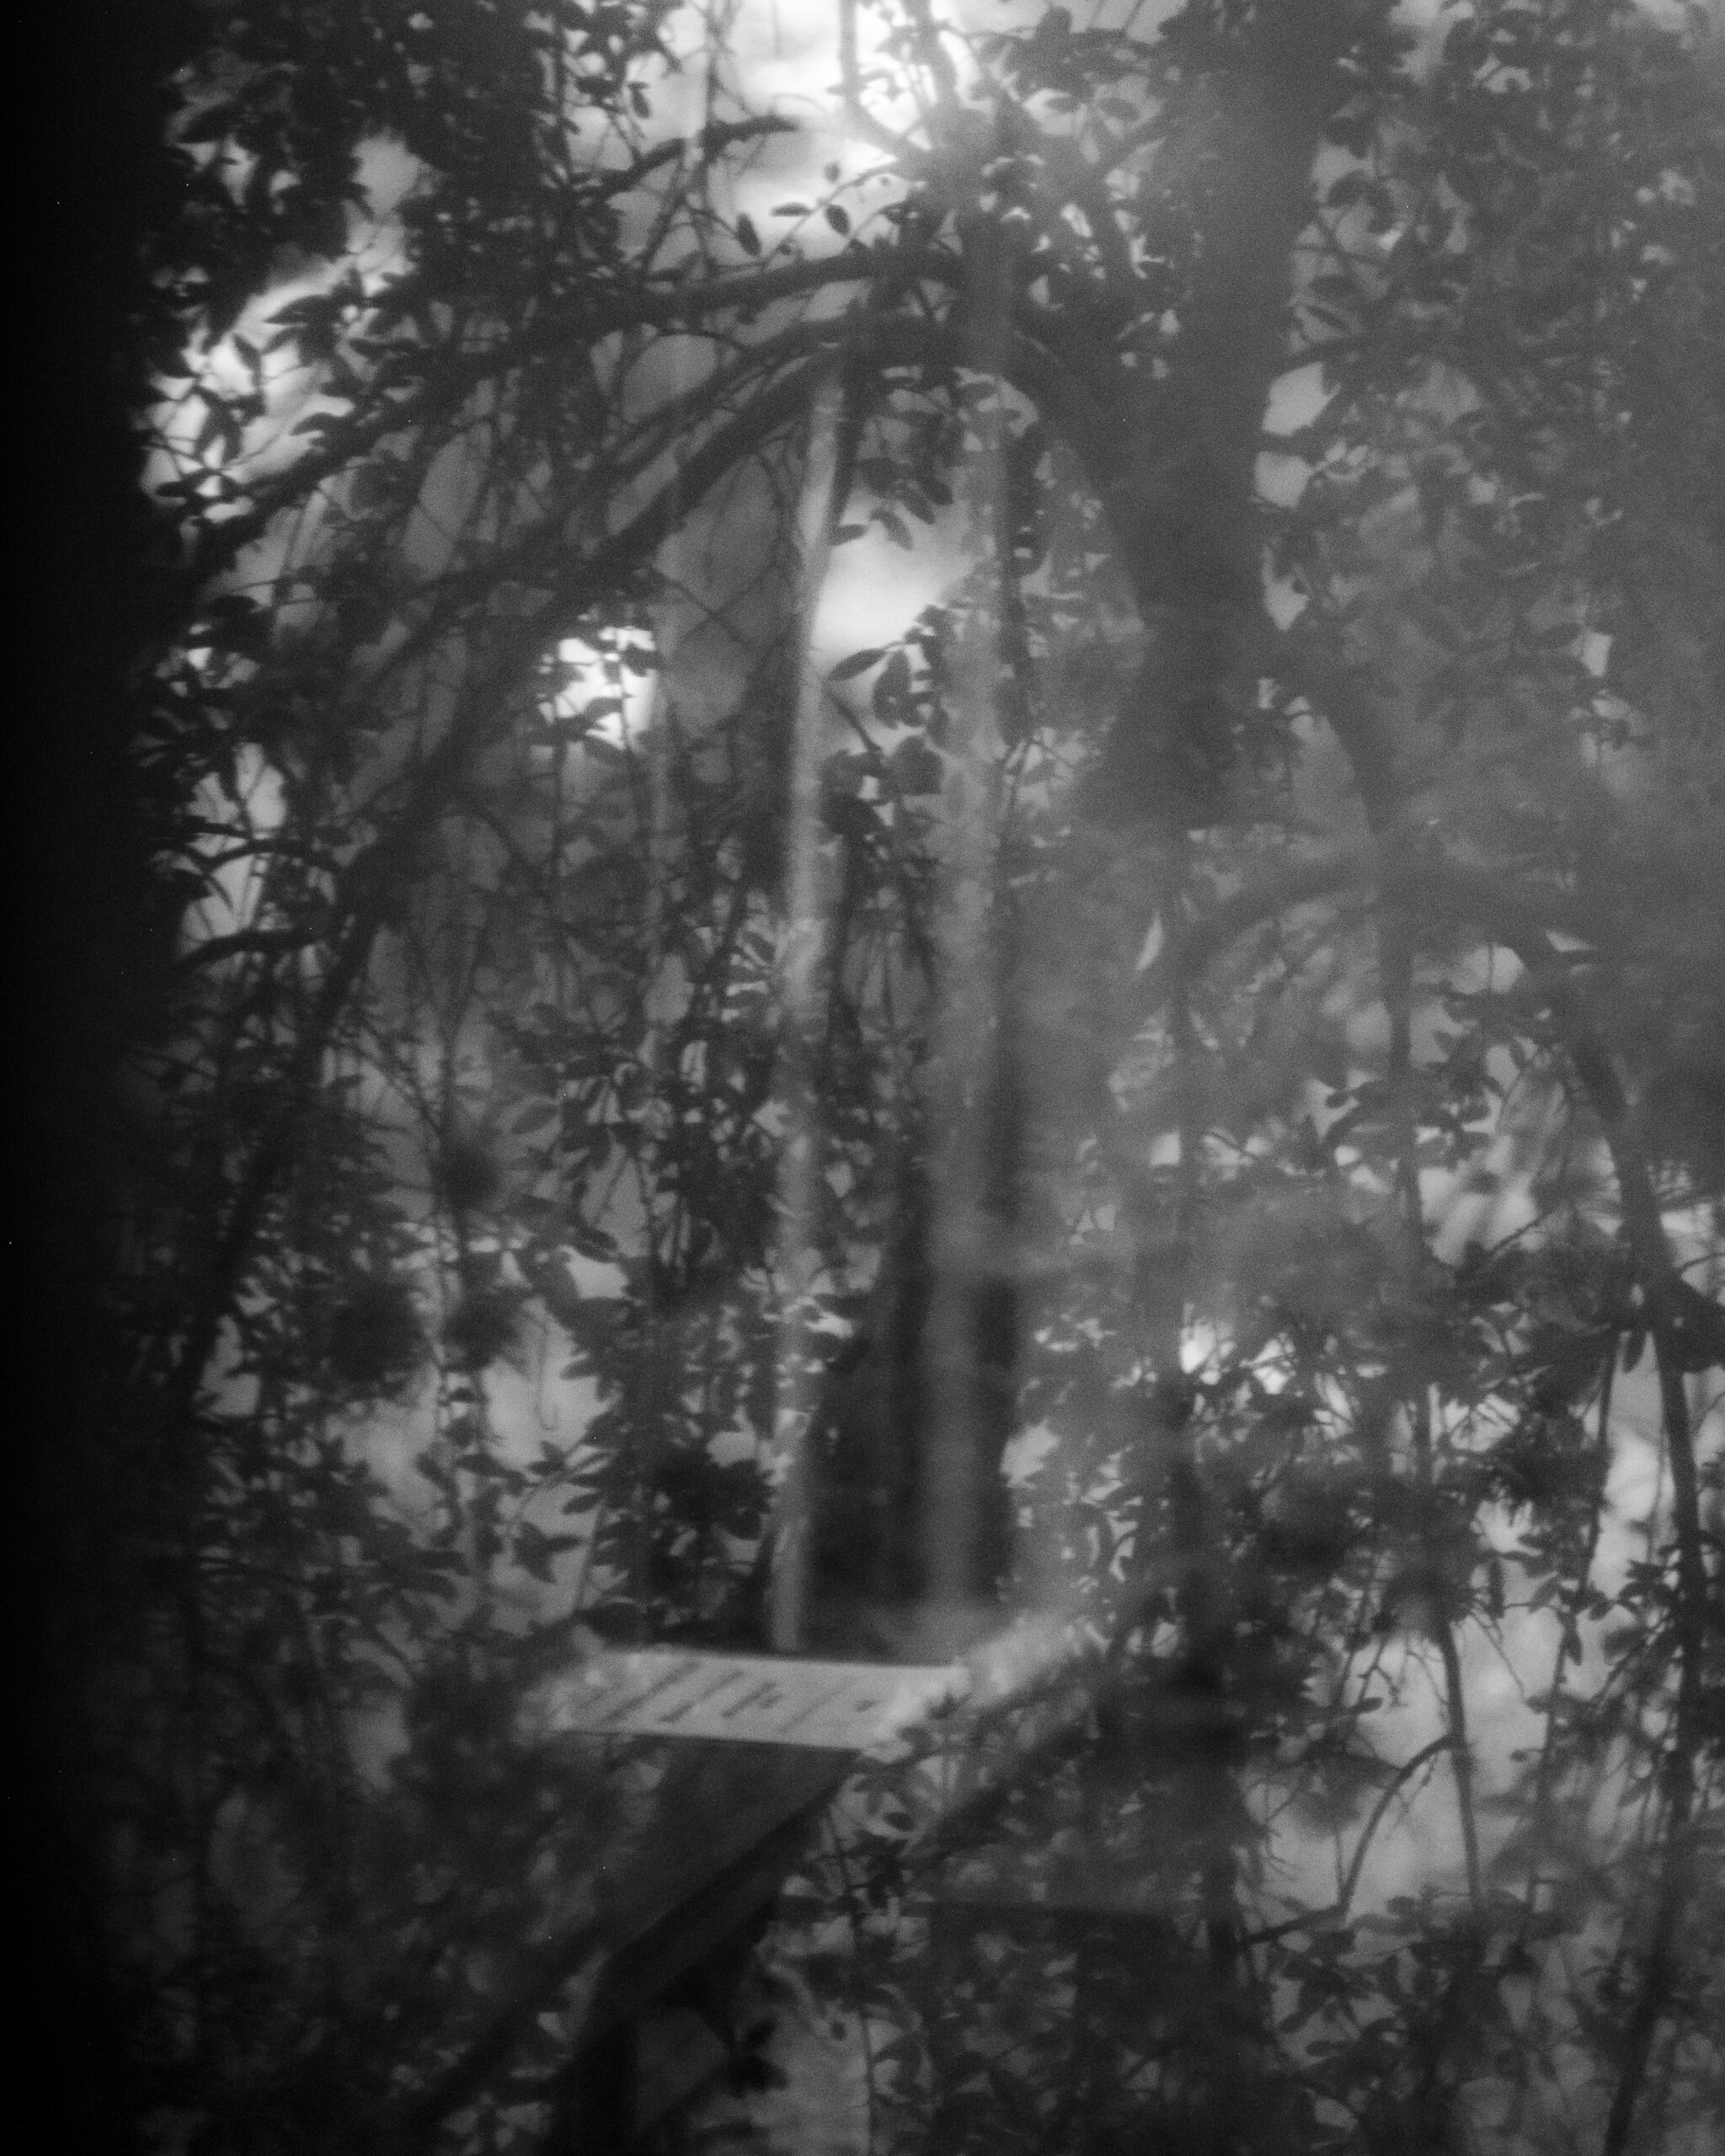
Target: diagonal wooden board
x,y
752,1748
755,1747
730,1824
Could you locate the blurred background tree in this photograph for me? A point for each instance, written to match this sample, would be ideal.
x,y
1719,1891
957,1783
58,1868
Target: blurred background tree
x,y
1178,1087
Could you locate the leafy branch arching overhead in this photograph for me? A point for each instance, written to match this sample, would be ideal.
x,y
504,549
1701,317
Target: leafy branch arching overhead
x,y
657,1113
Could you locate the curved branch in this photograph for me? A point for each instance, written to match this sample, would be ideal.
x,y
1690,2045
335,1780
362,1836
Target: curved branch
x,y
858,334
1398,1781
244,942
721,135
1522,923
891,339
1357,864
219,545
1194,946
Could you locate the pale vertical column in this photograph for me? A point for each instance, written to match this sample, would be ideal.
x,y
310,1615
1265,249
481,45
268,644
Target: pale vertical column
x,y
963,1046
805,990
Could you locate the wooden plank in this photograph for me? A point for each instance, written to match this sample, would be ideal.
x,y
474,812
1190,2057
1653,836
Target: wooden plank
x,y
692,1692
756,1747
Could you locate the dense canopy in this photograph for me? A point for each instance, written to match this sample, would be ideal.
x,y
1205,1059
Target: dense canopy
x,y
934,797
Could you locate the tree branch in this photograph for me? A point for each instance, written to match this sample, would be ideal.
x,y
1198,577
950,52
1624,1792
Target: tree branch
x,y
220,544
1398,1781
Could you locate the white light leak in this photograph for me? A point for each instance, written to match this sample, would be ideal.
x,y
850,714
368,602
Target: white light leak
x,y
238,819
604,692
248,357
874,590
805,932
1027,1451
1296,399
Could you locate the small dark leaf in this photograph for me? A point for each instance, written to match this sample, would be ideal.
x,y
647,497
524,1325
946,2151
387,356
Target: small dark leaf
x,y
892,685
859,662
375,1339
481,1328
466,1171
914,768
209,125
